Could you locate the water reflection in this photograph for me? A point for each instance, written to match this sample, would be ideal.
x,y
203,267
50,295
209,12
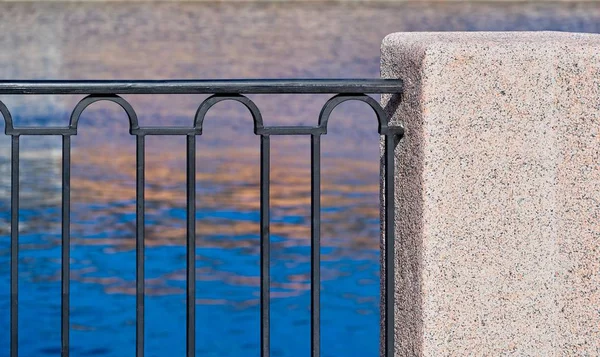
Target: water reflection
x,y
208,40
103,231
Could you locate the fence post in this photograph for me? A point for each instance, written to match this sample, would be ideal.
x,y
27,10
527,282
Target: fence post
x,y
497,193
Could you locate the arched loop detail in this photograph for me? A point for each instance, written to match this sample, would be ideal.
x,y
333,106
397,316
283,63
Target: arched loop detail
x,y
341,98
8,122
87,101
214,99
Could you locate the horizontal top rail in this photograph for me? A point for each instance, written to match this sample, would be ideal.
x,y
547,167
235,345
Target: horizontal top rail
x,y
217,86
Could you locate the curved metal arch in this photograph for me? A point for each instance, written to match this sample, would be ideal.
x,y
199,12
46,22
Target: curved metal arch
x,y
341,98
8,122
214,99
87,101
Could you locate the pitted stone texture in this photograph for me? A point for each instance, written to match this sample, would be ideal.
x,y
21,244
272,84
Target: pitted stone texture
x,y
497,193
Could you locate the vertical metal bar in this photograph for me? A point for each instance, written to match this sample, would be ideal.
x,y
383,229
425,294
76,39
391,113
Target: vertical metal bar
x,y
315,248
139,247
389,245
191,245
265,260
65,244
14,248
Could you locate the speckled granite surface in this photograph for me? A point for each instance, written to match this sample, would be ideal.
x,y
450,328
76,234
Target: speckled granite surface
x,y
498,193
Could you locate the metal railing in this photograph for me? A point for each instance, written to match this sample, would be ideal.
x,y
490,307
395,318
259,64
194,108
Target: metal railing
x,y
220,90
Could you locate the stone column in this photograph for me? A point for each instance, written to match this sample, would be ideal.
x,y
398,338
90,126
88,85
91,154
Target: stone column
x,y
497,193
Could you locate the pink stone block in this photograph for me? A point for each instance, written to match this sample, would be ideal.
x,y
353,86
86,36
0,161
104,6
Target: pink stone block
x,y
497,193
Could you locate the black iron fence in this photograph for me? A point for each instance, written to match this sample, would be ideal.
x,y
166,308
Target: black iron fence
x,y
221,90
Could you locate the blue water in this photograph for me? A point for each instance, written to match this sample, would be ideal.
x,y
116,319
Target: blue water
x,y
103,283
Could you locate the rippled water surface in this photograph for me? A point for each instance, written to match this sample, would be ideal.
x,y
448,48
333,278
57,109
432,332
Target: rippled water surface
x,y
204,40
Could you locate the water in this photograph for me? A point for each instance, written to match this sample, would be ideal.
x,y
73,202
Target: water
x,y
208,40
